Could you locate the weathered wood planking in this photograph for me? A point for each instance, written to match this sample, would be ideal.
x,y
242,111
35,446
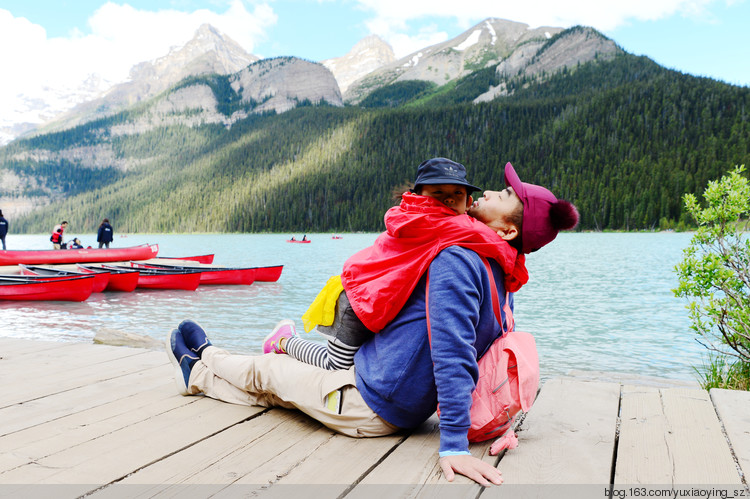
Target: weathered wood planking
x,y
123,451
733,408
672,436
642,423
277,448
51,383
413,465
62,362
567,437
13,347
110,417
42,409
83,424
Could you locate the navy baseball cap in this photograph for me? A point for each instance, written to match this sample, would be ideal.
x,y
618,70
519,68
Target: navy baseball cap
x,y
443,171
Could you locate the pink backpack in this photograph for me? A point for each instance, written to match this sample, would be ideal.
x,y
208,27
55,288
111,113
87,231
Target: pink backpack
x,y
508,379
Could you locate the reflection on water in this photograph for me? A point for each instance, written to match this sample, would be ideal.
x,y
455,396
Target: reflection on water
x,y
594,301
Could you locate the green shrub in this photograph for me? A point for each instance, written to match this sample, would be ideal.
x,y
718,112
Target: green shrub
x,y
715,275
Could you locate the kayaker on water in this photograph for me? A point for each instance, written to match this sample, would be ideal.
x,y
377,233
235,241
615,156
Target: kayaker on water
x,y
398,377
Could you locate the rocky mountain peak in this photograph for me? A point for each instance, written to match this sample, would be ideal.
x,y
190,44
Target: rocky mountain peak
x,y
367,55
514,48
208,52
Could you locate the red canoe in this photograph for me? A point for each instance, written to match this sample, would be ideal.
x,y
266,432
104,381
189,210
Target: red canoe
x,y
100,278
33,288
84,255
295,241
268,274
199,258
209,275
119,279
166,279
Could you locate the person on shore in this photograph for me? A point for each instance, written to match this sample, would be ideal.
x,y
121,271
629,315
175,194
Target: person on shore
x,y
57,235
3,229
398,378
105,234
75,244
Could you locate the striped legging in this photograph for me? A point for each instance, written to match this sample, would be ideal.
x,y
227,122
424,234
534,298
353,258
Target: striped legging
x,y
332,356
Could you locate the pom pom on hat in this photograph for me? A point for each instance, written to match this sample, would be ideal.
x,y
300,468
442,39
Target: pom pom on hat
x,y
563,215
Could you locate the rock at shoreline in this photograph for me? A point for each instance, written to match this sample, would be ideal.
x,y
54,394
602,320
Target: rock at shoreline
x,y
123,339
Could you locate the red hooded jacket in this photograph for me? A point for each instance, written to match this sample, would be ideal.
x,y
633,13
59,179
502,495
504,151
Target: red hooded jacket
x,y
380,278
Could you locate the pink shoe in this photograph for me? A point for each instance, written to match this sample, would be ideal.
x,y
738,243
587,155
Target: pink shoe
x,y
284,329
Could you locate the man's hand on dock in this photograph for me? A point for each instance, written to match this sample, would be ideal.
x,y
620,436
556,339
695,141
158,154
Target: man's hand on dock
x,y
469,466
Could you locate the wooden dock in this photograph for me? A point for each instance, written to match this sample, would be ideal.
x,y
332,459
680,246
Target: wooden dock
x,y
82,419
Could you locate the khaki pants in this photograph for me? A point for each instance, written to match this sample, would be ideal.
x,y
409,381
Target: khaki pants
x,y
277,380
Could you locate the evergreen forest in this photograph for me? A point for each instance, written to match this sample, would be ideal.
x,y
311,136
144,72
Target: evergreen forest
x,y
622,139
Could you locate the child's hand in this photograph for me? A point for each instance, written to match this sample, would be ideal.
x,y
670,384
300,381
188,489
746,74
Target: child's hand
x,y
471,467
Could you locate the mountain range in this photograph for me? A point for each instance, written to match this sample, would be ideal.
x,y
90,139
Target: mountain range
x,y
370,64
209,113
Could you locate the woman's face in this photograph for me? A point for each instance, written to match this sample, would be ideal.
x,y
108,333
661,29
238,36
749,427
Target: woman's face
x,y
495,208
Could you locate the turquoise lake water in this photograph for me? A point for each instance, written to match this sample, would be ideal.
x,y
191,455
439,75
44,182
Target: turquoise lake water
x,y
600,302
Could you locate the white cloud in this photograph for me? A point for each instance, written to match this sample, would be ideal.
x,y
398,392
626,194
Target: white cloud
x,y
391,18
120,37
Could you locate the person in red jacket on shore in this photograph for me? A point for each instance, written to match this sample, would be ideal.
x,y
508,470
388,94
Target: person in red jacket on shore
x,y
57,235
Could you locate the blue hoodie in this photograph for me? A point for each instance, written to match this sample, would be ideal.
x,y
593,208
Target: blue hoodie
x,y
402,379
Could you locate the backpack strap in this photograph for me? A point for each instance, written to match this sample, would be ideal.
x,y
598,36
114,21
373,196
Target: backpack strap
x,y
495,302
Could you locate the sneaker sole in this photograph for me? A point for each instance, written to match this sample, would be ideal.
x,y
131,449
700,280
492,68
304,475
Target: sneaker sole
x,y
179,379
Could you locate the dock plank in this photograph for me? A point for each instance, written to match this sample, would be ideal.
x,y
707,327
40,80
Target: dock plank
x,y
414,467
642,453
42,440
16,347
676,432
47,363
278,448
27,414
119,453
568,435
79,376
733,408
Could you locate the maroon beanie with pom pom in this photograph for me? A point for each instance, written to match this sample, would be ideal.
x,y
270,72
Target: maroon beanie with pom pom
x,y
543,214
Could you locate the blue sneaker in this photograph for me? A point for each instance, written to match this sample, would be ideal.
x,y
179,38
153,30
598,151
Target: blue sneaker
x,y
194,336
182,358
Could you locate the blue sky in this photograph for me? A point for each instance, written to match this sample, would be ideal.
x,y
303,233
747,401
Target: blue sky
x,y
63,42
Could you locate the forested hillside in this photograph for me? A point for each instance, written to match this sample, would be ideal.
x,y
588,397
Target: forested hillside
x,y
622,139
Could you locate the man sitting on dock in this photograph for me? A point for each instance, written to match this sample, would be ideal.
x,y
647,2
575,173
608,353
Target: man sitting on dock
x,y
398,377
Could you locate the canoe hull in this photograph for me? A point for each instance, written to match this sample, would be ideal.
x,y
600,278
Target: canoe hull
x,y
208,259
209,275
101,279
268,274
188,282
58,289
86,255
119,280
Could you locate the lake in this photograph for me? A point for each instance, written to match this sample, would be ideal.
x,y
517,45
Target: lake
x,y
594,301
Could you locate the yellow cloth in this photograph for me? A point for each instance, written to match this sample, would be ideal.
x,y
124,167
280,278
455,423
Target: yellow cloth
x,y
323,308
